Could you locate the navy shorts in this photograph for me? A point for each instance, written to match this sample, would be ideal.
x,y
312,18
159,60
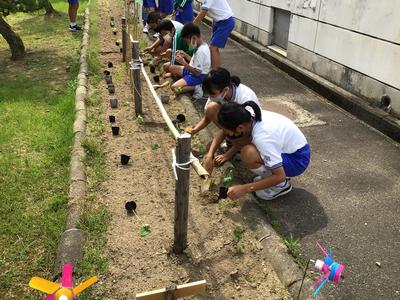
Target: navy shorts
x,y
186,15
73,1
149,3
166,6
296,163
221,32
192,80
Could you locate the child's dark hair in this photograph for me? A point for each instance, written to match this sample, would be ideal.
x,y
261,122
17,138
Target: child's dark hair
x,y
165,25
189,30
232,114
153,17
218,79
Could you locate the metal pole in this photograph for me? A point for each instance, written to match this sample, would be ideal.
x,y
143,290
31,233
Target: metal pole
x,y
182,152
136,82
124,39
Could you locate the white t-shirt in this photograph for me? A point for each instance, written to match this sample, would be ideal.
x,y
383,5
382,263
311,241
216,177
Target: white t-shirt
x,y
201,59
218,10
241,94
274,135
178,25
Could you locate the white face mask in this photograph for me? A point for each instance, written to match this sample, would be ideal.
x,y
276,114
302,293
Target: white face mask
x,y
167,38
192,45
220,98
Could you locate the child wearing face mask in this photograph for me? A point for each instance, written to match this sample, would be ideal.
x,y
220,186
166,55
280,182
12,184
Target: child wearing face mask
x,y
221,88
192,69
277,149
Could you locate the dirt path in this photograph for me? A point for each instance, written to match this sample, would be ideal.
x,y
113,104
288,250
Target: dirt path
x,y
138,263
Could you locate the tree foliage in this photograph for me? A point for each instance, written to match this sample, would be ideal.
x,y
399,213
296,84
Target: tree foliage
x,y
11,6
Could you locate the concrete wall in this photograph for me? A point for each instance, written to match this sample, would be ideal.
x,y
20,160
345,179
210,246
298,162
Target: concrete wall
x,y
353,43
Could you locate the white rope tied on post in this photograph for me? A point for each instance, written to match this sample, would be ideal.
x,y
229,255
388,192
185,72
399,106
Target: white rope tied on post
x,y
181,166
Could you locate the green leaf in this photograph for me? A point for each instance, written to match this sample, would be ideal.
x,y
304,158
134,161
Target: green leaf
x,y
228,178
145,230
155,146
140,120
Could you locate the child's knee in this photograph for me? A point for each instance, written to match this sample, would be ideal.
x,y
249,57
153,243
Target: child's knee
x,y
250,156
166,67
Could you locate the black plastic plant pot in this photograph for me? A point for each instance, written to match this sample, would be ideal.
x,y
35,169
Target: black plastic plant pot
x,y
111,88
156,78
120,50
110,64
112,119
117,43
114,103
115,130
165,99
125,159
108,79
152,69
112,19
106,72
181,118
223,192
130,206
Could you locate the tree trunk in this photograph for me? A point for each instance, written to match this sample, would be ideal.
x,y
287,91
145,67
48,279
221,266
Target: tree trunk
x,y
50,11
14,41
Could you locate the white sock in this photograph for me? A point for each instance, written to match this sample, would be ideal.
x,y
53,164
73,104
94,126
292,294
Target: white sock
x,y
72,24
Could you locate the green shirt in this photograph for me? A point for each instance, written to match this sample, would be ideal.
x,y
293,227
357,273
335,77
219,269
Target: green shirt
x,y
179,43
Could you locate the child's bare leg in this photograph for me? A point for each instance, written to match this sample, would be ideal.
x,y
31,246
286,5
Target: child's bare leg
x,y
181,86
215,57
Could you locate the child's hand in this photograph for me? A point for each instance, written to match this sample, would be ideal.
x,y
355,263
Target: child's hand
x,y
189,130
180,60
220,159
236,191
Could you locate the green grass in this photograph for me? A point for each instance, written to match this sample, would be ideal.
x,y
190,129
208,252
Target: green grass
x,y
37,113
292,244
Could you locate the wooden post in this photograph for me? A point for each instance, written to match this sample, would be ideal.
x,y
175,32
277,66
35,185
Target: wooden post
x,y
182,152
124,39
136,83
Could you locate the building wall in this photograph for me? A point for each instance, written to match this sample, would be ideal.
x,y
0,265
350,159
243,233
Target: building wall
x,y
352,43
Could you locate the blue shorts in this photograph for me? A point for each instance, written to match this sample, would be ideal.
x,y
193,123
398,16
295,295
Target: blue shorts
x,y
166,6
73,1
221,32
185,16
192,80
296,163
149,3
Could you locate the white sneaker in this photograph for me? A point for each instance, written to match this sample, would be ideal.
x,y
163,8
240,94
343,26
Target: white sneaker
x,y
156,35
275,191
146,28
198,92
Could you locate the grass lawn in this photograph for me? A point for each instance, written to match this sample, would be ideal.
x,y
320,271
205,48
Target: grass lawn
x,y
36,117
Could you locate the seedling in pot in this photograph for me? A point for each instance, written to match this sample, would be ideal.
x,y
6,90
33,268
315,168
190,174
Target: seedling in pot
x,y
223,192
114,103
112,119
115,30
108,79
228,178
106,72
125,159
179,119
140,120
111,88
115,130
156,79
117,43
155,146
110,64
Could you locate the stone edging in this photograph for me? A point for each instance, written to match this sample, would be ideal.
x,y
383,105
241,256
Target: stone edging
x,y
70,246
274,250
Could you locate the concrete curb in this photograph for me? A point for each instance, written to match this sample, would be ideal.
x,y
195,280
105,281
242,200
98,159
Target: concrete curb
x,y
70,246
373,116
274,250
